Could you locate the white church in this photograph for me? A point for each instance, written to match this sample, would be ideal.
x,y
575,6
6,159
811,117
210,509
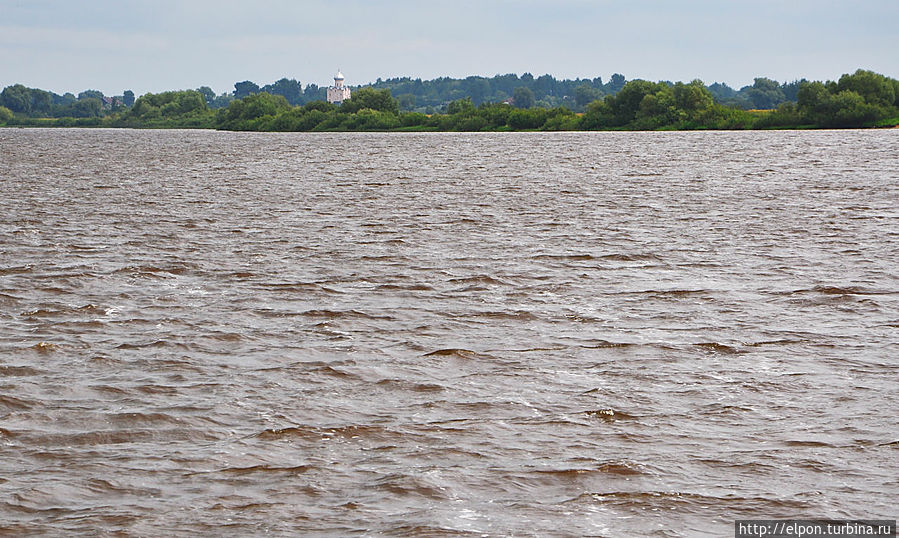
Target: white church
x,y
338,93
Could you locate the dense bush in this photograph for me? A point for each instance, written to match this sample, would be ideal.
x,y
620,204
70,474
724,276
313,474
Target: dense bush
x,y
166,110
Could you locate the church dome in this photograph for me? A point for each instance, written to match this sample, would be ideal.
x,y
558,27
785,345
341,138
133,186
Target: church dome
x,y
338,76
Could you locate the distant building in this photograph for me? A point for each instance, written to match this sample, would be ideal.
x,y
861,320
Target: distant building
x,y
338,93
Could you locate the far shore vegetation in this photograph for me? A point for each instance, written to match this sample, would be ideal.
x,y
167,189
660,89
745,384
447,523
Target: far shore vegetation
x,y
862,99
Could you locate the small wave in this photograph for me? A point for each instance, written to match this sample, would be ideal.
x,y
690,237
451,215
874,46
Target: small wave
x,y
296,469
227,337
459,353
86,248
565,257
290,286
42,313
13,403
8,300
56,310
716,347
603,344
613,257
809,443
621,468
354,431
521,315
416,531
672,499
119,437
463,220
479,279
107,389
154,344
630,257
18,371
676,293
846,290
16,270
342,314
142,419
152,270
98,485
783,342
723,409
290,432
837,290
157,389
410,386
403,484
410,287
534,349
608,415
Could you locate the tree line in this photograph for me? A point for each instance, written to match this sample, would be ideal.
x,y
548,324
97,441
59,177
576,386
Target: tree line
x,y
861,99
413,95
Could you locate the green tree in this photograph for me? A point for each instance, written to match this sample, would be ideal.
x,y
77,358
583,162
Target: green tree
x,y
521,119
168,109
321,106
87,107
222,101
370,98
616,83
849,109
765,93
27,101
207,93
5,114
692,97
406,101
811,93
242,113
496,114
523,97
40,102
461,106
658,109
625,104
91,94
791,89
16,98
598,115
290,89
874,88
245,89
65,99
478,89
314,93
128,98
586,94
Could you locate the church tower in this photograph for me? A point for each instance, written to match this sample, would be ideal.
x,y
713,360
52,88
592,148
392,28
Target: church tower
x,y
338,93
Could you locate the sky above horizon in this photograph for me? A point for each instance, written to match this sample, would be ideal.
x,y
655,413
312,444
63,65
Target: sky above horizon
x,y
159,45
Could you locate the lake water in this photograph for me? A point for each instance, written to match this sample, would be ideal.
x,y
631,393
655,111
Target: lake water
x,y
605,334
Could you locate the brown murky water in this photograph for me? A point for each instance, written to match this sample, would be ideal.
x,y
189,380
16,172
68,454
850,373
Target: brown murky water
x,y
610,334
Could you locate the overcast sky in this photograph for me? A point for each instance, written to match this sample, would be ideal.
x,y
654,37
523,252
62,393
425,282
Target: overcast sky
x,y
158,45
